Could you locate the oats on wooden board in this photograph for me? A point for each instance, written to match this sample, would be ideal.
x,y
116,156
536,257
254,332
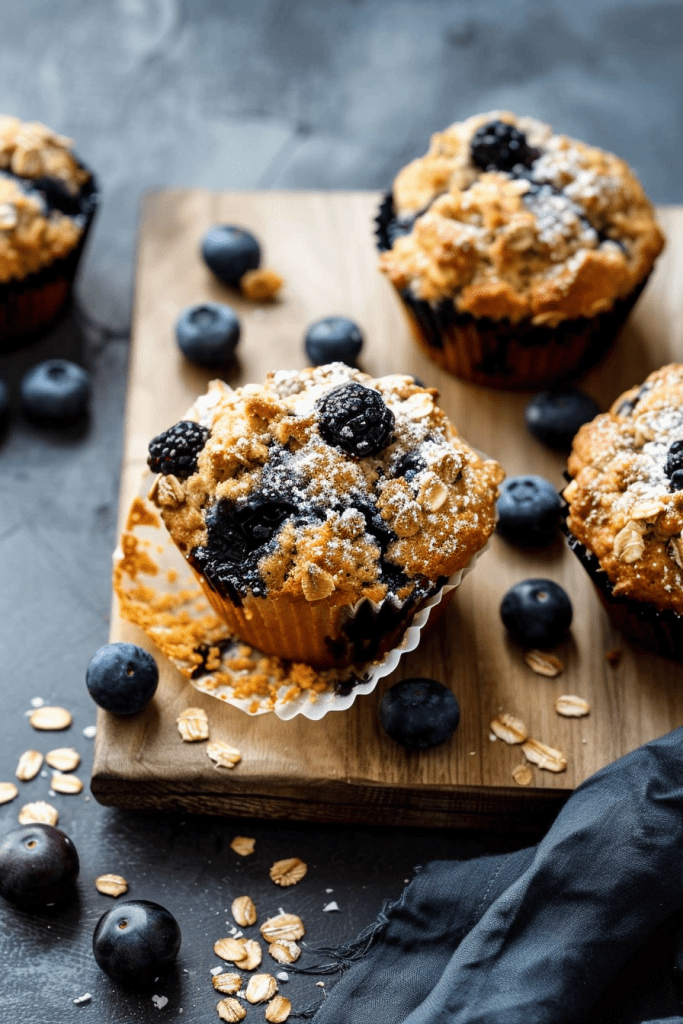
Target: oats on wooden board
x,y
193,725
30,763
62,783
50,719
543,663
38,812
227,983
111,885
523,775
289,871
545,757
243,845
8,792
261,988
223,754
571,706
509,729
244,911
278,1010
64,759
284,951
283,926
231,1011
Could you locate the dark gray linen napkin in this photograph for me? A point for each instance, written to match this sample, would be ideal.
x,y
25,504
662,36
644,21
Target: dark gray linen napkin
x,y
583,927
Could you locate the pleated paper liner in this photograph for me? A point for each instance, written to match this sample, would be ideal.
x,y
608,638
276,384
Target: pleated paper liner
x,y
158,592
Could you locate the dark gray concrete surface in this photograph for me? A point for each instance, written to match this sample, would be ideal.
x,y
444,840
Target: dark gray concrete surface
x,y
239,94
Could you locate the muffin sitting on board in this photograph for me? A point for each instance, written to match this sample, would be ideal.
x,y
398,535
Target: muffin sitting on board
x,y
322,509
625,510
47,202
517,253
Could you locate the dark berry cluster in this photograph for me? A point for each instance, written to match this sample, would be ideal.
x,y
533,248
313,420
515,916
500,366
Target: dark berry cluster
x,y
355,419
674,465
176,450
499,146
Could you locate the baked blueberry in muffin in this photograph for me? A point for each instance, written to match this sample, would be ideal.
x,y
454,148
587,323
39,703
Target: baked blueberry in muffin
x,y
321,509
517,252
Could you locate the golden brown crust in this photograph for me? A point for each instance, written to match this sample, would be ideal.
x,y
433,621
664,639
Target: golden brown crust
x,y
621,503
501,247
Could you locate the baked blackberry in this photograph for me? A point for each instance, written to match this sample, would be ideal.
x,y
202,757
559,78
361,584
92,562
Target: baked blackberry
x,y
674,465
355,419
176,450
499,146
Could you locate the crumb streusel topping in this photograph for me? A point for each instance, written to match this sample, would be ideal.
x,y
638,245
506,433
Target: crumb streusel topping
x,y
563,236
624,505
31,150
273,507
31,236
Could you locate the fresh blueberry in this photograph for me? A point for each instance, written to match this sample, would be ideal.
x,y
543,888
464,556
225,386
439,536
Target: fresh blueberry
x,y
207,334
56,391
122,678
419,713
135,941
230,252
4,404
537,613
38,864
554,417
528,510
333,340
355,419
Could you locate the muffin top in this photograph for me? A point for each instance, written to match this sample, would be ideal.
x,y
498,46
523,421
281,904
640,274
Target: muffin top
x,y
323,484
626,497
41,214
510,221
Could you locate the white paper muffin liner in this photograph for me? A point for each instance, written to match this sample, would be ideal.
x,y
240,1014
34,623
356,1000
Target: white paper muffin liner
x,y
158,592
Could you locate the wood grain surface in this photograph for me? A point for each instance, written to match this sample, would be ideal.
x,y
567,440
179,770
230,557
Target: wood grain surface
x,y
343,768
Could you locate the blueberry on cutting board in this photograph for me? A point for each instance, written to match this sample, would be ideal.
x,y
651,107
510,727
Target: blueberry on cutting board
x,y
419,713
528,510
56,392
537,613
207,334
229,252
336,339
38,865
122,678
554,417
136,940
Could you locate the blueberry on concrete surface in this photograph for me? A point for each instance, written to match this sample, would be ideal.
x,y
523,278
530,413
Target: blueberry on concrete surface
x,y
38,865
230,252
336,339
355,419
207,334
536,613
419,713
122,678
136,940
56,391
174,452
554,417
498,146
528,510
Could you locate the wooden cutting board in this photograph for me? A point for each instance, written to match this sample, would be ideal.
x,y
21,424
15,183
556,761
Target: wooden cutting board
x,y
343,768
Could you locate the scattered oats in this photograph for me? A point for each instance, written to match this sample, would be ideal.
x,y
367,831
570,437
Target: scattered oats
x,y
282,976
160,1001
230,949
571,706
283,926
613,657
50,719
261,988
8,792
284,951
543,664
509,729
523,775
231,1011
193,725
254,955
223,754
261,285
111,885
29,765
492,737
38,813
82,1000
330,906
543,756
278,1010
227,983
243,845
244,911
64,759
289,871
66,783
90,732
37,702
320,984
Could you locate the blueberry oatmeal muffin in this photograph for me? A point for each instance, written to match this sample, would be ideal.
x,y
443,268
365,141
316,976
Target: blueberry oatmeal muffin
x,y
322,509
624,514
517,253
47,202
